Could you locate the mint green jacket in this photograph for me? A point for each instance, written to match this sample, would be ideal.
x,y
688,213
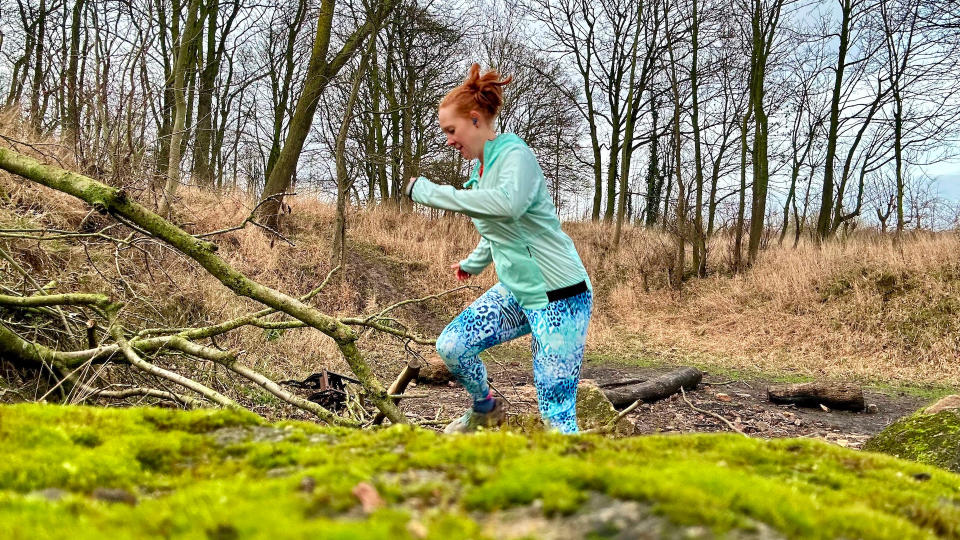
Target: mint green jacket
x,y
517,221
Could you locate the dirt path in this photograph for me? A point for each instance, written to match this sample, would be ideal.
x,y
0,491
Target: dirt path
x,y
742,402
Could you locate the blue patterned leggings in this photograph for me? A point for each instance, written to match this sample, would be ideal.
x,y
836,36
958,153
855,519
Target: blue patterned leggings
x,y
559,332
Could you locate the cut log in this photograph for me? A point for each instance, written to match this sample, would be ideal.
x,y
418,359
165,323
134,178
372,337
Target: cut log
x,y
434,371
841,396
409,373
654,389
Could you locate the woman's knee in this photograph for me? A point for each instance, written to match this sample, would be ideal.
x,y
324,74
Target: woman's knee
x,y
452,346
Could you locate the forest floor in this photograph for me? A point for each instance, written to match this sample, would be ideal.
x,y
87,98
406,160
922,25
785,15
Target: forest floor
x,y
739,397
742,401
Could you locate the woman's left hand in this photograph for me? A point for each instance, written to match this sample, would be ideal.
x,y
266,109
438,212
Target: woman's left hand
x,y
462,275
408,186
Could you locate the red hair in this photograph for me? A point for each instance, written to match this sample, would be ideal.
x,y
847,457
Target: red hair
x,y
483,93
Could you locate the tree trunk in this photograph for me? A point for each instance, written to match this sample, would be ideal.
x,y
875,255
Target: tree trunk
x,y
184,53
281,88
763,35
36,117
676,276
338,254
826,200
654,180
319,73
742,202
699,238
72,120
612,171
632,106
202,170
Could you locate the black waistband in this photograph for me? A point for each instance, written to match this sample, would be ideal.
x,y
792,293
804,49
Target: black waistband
x,y
567,292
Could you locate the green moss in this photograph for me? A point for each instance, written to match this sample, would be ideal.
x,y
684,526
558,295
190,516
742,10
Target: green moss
x,y
200,421
927,438
225,475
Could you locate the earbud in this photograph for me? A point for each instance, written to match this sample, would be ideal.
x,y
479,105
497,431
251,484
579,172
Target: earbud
x,y
474,121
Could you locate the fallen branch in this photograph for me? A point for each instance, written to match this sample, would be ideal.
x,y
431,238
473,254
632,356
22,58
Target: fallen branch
x,y
74,299
138,362
229,360
116,202
186,401
26,275
710,413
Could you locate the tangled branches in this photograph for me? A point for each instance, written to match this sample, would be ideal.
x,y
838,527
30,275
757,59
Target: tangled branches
x,y
139,349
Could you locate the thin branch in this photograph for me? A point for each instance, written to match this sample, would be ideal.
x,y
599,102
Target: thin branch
x,y
26,275
417,300
276,197
73,299
356,321
187,401
136,361
710,413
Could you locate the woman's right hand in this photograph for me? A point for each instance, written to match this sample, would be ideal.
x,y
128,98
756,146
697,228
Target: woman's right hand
x,y
462,275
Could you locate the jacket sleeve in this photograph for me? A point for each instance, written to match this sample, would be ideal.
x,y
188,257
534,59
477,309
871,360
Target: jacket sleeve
x,y
479,259
508,197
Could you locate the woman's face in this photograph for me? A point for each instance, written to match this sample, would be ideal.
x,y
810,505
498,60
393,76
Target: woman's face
x,y
462,133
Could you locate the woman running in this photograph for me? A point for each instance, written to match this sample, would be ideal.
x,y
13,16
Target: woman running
x,y
544,289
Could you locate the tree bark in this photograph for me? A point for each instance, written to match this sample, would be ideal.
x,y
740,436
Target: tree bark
x,y
764,30
826,200
338,254
409,373
36,116
699,238
184,54
72,120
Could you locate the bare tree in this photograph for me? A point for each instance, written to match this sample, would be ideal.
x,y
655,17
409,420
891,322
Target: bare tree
x,y
319,72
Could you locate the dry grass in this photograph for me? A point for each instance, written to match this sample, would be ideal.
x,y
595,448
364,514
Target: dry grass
x,y
860,308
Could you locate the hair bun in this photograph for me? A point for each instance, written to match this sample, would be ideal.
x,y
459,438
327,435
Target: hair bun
x,y
483,92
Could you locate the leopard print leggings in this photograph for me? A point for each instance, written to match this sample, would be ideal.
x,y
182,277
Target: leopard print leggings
x,y
559,331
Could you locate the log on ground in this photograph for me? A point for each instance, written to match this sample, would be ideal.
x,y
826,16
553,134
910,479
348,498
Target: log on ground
x,y
840,396
654,389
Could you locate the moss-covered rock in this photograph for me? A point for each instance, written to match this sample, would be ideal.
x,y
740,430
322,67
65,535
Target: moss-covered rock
x,y
931,435
594,410
79,472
